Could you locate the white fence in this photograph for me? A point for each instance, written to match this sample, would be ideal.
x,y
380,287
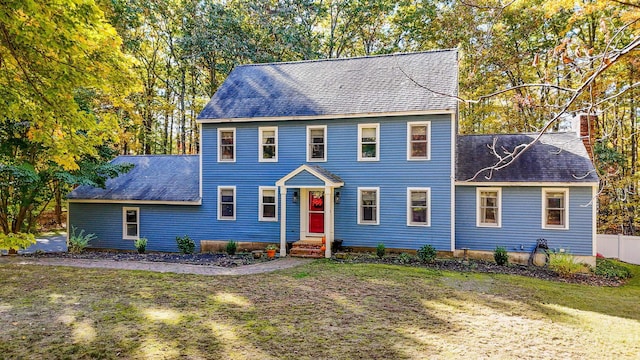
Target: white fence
x,y
623,247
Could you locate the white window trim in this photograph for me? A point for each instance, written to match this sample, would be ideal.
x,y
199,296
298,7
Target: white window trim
x,y
479,222
418,123
235,144
409,222
261,130
261,204
363,126
360,190
235,203
545,191
308,144
124,223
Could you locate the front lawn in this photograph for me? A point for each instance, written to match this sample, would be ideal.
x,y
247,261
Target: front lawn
x,y
323,310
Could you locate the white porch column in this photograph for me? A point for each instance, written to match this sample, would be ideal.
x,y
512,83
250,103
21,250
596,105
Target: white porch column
x,y
283,221
328,219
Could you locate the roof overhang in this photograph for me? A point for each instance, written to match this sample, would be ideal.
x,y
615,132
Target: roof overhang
x,y
514,183
324,117
135,202
313,170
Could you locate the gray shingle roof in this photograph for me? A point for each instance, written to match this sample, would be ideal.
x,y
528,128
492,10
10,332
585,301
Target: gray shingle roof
x,y
326,173
557,157
153,178
364,85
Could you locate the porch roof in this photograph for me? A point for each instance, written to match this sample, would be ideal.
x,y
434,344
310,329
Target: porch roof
x,y
310,176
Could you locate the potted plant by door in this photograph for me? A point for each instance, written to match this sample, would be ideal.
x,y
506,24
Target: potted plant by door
x,y
271,251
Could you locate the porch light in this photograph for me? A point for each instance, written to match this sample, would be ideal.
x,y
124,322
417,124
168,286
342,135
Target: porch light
x,y
337,197
295,197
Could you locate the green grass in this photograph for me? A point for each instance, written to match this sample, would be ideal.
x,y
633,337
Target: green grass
x,y
322,310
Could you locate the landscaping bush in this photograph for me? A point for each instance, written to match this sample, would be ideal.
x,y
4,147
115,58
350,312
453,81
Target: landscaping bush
x,y
141,245
381,250
79,241
405,258
611,269
427,253
232,246
16,241
565,264
185,244
500,256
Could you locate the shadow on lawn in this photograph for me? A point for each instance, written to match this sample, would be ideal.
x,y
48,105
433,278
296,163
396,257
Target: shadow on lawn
x,y
323,310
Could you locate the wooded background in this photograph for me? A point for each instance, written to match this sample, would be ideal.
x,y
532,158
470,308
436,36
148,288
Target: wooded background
x,y
84,80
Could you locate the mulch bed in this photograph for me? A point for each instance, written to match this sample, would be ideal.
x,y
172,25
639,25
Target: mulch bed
x,y
481,266
222,260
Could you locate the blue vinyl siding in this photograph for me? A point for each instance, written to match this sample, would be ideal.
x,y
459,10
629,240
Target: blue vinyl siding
x,y
160,224
393,174
522,221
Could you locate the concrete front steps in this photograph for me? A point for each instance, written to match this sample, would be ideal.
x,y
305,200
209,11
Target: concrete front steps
x,y
307,249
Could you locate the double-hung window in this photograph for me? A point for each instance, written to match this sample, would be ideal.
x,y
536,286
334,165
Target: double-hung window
x,y
368,206
226,203
316,143
419,140
555,208
227,145
268,203
489,202
268,151
130,223
418,207
368,142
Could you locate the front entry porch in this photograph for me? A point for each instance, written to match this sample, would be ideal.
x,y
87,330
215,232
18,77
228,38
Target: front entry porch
x,y
314,193
309,248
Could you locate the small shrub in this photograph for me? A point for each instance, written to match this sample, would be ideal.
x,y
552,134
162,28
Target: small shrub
x,y
611,269
405,258
381,250
79,241
141,245
427,253
271,247
16,241
500,256
185,244
231,248
565,264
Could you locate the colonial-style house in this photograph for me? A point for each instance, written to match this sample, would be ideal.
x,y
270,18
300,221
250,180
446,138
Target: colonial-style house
x,y
361,150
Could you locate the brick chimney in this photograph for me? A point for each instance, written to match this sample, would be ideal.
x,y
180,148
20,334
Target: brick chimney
x,y
586,131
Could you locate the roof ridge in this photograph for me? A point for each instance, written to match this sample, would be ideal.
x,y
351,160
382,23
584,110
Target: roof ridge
x,y
349,58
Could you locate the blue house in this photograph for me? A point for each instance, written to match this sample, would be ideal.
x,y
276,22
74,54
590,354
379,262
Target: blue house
x,y
360,150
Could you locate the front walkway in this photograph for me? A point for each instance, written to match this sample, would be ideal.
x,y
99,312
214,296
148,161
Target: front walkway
x,y
163,267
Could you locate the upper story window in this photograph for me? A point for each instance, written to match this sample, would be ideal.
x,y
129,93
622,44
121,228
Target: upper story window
x,y
130,223
418,207
368,142
555,208
489,203
268,203
368,206
419,140
268,144
316,143
226,203
227,145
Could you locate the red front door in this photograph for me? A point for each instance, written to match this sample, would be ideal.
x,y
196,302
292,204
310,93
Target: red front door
x,y
316,212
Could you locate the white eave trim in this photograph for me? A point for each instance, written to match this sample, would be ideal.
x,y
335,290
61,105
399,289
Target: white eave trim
x,y
139,202
514,184
312,171
325,117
